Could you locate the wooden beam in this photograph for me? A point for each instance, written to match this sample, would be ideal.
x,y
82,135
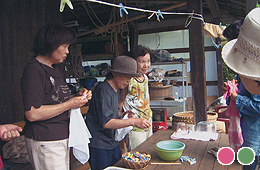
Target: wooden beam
x,y
219,68
219,62
163,29
133,35
213,7
186,50
197,61
250,4
99,30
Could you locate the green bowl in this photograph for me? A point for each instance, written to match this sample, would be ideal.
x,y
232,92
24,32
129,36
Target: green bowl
x,y
169,150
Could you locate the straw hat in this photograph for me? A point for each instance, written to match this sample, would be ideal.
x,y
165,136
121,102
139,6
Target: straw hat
x,y
125,65
243,54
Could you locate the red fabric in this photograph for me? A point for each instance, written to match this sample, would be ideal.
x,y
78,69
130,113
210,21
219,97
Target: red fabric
x,y
1,163
235,133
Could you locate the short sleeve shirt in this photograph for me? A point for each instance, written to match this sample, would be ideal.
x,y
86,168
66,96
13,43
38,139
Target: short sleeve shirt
x,y
43,85
103,107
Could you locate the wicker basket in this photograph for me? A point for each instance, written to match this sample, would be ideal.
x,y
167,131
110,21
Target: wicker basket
x,y
155,84
187,117
160,92
136,165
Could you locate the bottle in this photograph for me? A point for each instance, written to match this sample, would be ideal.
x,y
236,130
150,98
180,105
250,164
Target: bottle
x,y
176,96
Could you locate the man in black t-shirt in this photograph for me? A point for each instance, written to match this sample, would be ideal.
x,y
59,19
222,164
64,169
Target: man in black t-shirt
x,y
103,116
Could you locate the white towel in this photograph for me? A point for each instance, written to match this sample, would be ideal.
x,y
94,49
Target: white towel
x,y
120,133
79,136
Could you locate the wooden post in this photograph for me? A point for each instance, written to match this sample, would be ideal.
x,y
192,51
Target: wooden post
x,y
197,61
219,62
219,68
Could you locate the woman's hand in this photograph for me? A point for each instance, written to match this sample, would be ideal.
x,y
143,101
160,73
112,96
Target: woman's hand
x,y
234,87
234,92
86,92
9,131
141,123
81,98
77,102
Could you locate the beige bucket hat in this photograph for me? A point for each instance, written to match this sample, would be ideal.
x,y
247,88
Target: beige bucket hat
x,y
243,54
125,65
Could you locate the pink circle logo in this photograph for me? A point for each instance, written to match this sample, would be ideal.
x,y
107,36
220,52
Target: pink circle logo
x,y
226,156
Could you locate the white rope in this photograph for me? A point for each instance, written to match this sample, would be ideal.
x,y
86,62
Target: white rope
x,y
191,15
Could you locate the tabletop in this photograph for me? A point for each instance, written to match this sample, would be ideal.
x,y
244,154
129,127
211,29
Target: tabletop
x,y
194,149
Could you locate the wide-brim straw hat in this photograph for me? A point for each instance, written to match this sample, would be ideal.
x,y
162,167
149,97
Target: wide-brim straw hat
x,y
125,65
243,54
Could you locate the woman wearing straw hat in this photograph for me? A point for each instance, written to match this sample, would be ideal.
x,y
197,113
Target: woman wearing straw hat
x,y
243,56
103,116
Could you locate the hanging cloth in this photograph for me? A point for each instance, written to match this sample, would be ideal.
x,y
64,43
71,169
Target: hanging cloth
x,y
235,133
79,136
214,31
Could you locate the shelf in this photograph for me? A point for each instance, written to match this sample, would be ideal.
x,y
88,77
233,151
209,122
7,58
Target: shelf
x,y
166,103
94,57
169,63
183,77
174,78
83,77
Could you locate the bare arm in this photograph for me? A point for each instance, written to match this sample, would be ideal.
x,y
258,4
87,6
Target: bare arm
x,y
49,111
122,123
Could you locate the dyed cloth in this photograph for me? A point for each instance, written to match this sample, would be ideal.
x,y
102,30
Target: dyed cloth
x,y
1,163
235,133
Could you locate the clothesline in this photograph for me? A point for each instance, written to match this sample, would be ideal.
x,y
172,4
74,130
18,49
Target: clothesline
x,y
123,8
143,10
191,15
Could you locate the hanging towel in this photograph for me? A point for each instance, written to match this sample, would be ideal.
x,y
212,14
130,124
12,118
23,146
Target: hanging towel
x,y
213,30
235,133
79,136
121,133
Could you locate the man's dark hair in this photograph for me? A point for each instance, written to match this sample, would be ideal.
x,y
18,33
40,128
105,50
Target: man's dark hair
x,y
232,31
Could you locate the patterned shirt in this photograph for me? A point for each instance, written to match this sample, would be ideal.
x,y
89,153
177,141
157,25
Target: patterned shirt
x,y
138,100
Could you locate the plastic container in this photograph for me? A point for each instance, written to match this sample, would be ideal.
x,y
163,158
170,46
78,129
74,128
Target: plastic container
x,y
206,127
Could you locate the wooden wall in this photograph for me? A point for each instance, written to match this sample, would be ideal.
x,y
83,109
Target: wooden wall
x,y
19,22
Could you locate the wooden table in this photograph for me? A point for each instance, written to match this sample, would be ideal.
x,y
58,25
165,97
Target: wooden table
x,y
194,149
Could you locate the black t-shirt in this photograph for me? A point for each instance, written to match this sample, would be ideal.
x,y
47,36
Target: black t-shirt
x,y
43,85
103,107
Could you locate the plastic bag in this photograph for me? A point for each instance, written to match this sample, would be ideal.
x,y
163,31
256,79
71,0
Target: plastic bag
x,y
161,55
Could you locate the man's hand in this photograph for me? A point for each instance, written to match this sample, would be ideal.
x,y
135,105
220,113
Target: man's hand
x,y
9,131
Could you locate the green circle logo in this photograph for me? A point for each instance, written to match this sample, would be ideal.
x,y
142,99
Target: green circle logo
x,y
246,155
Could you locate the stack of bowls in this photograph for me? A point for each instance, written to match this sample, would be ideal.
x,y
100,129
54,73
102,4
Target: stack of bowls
x,y
169,150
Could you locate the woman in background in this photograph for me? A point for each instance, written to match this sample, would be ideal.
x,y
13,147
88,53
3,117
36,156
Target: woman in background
x,y
135,98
